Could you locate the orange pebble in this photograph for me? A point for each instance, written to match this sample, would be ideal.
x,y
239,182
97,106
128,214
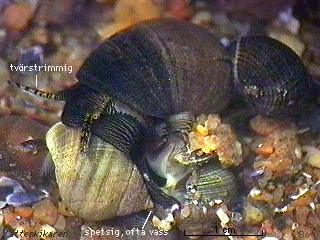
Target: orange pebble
x,y
303,200
265,151
266,126
16,16
202,130
24,212
250,238
45,212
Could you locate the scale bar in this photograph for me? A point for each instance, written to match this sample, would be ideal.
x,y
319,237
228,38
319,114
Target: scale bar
x,y
224,235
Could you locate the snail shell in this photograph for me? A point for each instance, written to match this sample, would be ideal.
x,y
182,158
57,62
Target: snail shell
x,y
156,68
208,184
99,184
271,76
161,67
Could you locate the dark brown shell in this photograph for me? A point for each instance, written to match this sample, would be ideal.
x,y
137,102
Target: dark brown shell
x,y
271,76
161,67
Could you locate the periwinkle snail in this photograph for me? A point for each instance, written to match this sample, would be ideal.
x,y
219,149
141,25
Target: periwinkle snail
x,y
170,72
157,68
104,182
271,77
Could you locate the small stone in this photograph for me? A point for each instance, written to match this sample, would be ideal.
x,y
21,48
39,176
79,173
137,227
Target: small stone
x,y
222,216
15,130
298,152
13,238
1,217
303,200
250,238
201,17
201,119
170,217
212,122
302,214
265,126
156,221
8,215
20,225
179,9
163,225
265,150
252,215
277,195
216,137
24,212
202,130
313,156
16,16
45,212
61,223
128,12
287,234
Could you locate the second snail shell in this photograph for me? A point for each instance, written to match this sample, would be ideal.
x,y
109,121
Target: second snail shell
x,y
99,184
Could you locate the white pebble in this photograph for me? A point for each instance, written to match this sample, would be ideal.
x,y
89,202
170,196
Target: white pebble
x,y
312,205
298,152
301,192
254,192
205,210
170,218
306,175
313,156
270,238
202,16
174,207
222,216
281,210
294,226
13,238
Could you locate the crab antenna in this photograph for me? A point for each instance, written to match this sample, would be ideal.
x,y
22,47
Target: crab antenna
x,y
59,95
